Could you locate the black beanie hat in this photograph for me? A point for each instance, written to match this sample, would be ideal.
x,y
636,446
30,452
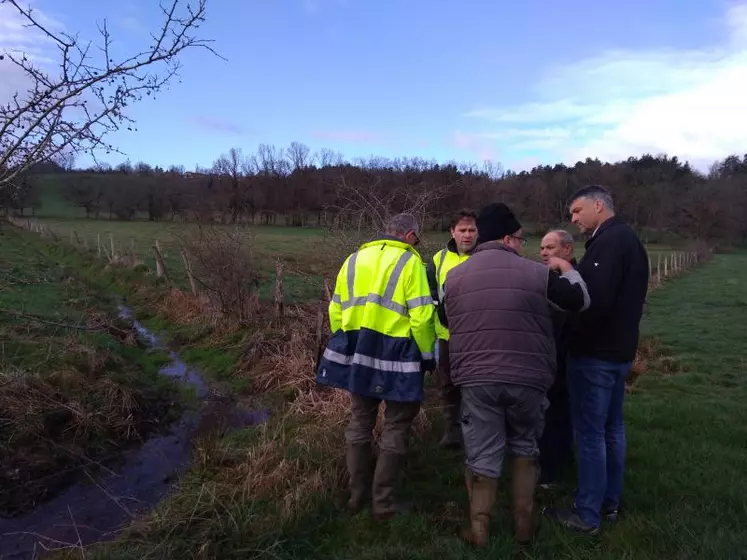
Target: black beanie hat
x,y
495,221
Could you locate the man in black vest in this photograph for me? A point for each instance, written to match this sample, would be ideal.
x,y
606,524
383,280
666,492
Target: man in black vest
x,y
602,347
556,442
498,309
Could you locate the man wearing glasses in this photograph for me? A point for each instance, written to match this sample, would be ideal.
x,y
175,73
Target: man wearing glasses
x,y
498,308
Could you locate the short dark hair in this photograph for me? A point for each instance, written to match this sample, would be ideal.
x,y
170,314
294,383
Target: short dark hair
x,y
462,214
594,192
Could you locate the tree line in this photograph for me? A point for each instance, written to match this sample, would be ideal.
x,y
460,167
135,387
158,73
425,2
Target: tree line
x,y
293,186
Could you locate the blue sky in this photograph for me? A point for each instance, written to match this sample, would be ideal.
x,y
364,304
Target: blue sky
x,y
519,83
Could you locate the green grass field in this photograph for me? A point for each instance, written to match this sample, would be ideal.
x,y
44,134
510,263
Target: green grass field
x,y
307,253
685,483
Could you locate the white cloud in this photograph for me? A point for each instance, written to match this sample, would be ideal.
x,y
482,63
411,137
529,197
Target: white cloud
x,y
17,38
689,103
480,145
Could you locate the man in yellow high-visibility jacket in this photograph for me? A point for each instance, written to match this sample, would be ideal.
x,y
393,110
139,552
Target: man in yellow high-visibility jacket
x,y
382,319
463,238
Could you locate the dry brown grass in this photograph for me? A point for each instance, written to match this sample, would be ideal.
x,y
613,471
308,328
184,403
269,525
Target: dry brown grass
x,y
78,403
652,359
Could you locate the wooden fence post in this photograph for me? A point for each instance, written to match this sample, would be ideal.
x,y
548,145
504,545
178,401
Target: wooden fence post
x,y
160,266
279,288
658,269
188,272
323,304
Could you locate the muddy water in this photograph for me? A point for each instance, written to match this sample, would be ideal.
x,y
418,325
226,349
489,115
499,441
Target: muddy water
x,y
94,511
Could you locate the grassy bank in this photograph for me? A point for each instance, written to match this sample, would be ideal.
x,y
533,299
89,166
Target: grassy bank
x,y
75,387
271,491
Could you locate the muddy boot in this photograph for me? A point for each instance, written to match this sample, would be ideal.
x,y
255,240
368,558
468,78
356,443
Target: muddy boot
x,y
480,509
524,481
359,469
385,479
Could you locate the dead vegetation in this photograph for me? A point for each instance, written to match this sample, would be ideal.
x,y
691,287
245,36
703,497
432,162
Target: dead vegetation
x,y
74,385
652,358
223,264
78,407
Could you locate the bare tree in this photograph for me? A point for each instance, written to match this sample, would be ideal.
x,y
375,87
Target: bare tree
x,y
232,165
329,158
360,212
226,266
271,160
73,108
298,154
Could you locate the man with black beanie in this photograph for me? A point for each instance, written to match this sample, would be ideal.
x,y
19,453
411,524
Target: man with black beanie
x,y
498,308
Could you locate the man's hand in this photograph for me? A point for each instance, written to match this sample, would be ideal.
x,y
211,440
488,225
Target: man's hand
x,y
559,264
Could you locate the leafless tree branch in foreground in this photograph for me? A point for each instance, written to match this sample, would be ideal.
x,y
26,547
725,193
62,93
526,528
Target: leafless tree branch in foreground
x,y
362,212
72,108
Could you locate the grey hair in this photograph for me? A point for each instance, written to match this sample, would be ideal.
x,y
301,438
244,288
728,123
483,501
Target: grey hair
x,y
565,237
595,192
401,224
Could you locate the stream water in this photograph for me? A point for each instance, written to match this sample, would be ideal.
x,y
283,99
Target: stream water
x,y
96,509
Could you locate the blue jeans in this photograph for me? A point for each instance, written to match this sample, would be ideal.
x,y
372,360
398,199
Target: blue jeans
x,y
596,391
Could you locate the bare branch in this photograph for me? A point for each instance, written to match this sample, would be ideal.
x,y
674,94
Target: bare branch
x,y
73,109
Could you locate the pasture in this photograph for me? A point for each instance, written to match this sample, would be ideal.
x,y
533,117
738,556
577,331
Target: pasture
x,y
308,254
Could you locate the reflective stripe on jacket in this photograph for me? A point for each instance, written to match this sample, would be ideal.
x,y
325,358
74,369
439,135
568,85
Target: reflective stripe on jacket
x,y
381,316
443,262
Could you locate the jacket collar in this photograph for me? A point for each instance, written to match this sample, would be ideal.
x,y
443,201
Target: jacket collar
x,y
607,224
493,245
391,241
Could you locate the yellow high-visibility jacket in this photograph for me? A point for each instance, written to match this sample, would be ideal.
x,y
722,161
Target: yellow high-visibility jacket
x,y
382,319
443,262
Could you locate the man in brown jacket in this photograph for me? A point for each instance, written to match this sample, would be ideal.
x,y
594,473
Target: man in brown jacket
x,y
498,308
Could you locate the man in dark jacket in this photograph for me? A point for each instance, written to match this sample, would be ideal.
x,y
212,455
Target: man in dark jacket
x,y
556,442
497,307
602,347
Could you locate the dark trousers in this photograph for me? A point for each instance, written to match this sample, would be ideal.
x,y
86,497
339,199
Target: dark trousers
x,y
450,395
556,443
